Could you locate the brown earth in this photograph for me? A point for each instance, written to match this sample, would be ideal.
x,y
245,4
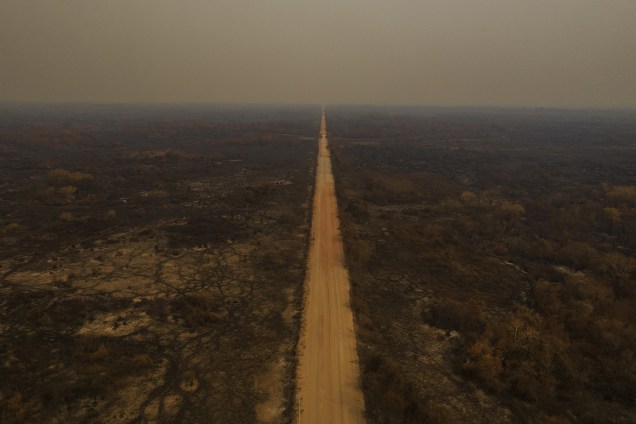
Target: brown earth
x,y
328,371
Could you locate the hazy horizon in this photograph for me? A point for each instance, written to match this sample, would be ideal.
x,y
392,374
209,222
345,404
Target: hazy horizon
x,y
492,53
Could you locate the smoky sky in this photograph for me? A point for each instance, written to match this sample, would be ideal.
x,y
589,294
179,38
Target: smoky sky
x,y
579,53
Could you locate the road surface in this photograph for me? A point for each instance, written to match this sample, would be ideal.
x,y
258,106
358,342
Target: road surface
x,y
328,371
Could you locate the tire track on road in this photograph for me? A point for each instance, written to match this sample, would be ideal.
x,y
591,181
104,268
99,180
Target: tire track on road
x,y
328,375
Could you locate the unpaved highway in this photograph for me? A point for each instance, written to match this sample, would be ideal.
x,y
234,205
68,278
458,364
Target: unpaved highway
x,y
328,371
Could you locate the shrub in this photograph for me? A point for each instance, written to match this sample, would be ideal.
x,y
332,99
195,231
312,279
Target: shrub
x,y
454,315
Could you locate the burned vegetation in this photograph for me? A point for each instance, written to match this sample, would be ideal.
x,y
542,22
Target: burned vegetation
x,y
152,262
493,262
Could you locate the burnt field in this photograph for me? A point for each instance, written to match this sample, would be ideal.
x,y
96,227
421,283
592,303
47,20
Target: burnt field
x,y
151,262
492,256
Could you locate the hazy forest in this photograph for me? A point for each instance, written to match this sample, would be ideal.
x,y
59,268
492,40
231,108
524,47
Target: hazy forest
x,y
152,261
493,262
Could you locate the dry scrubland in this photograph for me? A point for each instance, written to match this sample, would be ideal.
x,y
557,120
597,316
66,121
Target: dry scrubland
x,y
492,260
151,262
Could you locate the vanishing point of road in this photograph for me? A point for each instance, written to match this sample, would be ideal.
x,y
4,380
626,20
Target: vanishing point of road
x,y
328,373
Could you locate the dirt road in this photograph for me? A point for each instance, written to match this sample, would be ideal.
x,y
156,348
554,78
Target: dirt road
x,y
328,372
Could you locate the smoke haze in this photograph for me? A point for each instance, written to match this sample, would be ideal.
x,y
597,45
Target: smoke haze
x,y
578,53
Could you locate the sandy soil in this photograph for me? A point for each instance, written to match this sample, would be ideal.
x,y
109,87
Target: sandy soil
x,y
328,369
